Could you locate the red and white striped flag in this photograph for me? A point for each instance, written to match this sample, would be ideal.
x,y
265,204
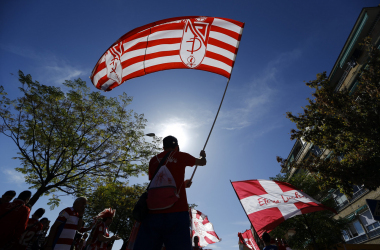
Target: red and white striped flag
x,y
268,203
247,239
195,42
201,227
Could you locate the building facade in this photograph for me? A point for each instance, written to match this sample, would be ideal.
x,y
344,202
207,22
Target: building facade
x,y
362,228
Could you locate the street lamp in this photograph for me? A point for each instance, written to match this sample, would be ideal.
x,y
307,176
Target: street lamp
x,y
151,134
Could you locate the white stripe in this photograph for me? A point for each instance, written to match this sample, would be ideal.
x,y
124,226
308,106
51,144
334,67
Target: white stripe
x,y
133,68
132,54
131,43
99,75
270,187
227,25
257,203
107,84
217,64
67,234
224,38
221,51
163,47
162,60
165,34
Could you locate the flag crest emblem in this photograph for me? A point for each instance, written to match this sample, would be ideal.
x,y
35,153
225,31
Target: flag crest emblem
x,y
194,41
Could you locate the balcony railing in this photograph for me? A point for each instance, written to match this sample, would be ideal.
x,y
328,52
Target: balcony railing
x,y
357,239
374,233
358,194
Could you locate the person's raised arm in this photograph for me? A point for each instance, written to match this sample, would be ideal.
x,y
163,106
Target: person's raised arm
x,y
202,160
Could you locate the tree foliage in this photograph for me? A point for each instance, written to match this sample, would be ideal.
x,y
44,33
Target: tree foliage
x,y
347,123
325,230
71,139
118,196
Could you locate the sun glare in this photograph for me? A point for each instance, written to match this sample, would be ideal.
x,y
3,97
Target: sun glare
x,y
177,130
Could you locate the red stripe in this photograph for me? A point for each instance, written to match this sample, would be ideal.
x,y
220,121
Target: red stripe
x,y
266,220
165,66
164,41
168,26
102,81
219,58
213,234
215,70
208,240
226,32
131,61
161,54
139,45
64,241
248,188
240,24
222,45
135,74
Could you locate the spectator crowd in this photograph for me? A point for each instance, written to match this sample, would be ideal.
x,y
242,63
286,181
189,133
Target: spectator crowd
x,y
18,231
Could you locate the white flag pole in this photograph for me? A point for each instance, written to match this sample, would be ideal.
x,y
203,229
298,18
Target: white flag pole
x,y
220,105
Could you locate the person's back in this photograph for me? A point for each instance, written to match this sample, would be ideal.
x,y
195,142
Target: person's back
x,y
266,239
169,226
30,234
14,218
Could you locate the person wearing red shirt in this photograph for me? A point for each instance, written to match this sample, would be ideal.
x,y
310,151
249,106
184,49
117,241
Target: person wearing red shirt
x,y
14,219
7,197
101,236
170,226
30,234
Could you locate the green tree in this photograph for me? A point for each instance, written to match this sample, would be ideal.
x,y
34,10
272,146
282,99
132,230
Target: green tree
x,y
348,125
119,196
71,139
318,225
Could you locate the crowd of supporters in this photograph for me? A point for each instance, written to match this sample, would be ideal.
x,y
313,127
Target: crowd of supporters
x,y
20,231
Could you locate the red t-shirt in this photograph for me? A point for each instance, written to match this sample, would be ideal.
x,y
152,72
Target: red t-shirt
x,y
34,226
14,223
176,163
100,229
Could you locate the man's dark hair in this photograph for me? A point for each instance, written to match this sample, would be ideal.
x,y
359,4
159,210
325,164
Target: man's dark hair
x,y
196,237
39,212
170,142
266,237
44,219
25,195
10,193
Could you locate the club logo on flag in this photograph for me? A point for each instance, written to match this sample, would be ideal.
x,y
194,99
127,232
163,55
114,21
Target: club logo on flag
x,y
113,62
194,41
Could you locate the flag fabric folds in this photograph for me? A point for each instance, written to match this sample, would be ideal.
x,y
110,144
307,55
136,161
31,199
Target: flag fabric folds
x,y
268,203
195,42
201,227
248,240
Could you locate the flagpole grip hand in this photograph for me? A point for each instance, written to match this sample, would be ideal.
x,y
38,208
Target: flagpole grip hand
x,y
188,183
202,154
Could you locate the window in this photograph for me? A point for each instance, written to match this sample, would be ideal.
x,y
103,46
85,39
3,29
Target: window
x,y
368,222
340,199
354,229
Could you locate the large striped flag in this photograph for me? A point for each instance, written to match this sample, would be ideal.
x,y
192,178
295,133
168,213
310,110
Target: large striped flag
x,y
248,240
268,203
194,42
201,227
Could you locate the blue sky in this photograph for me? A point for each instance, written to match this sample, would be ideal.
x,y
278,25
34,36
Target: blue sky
x,y
284,43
